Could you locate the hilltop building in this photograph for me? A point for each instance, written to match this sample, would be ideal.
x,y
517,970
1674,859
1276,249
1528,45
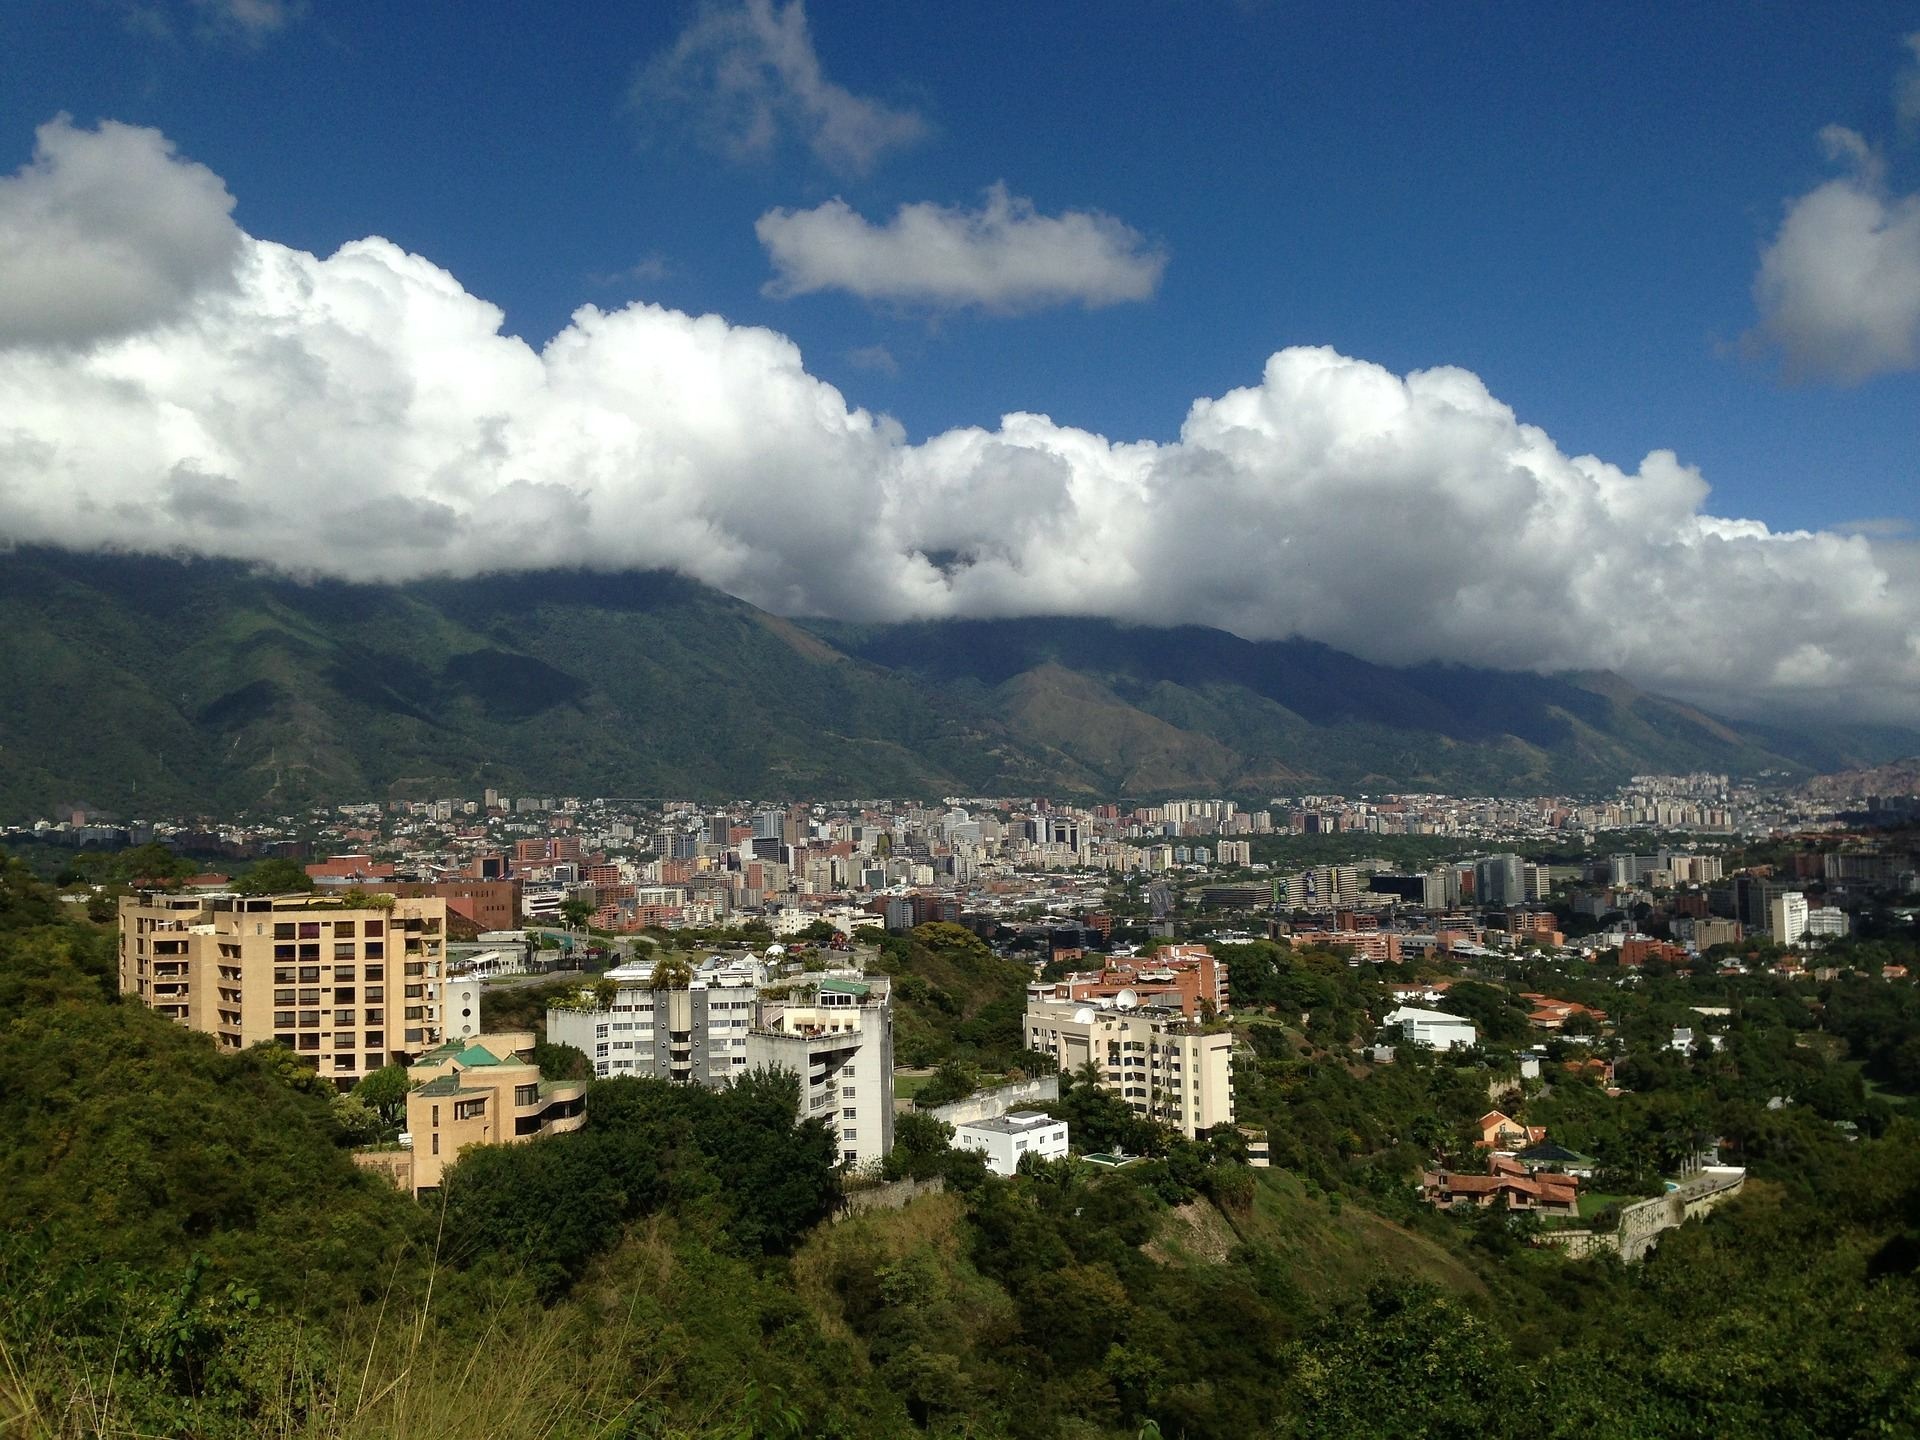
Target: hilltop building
x,y
1434,1028
1166,1066
695,1033
834,1031
836,1034
478,1092
349,989
1004,1139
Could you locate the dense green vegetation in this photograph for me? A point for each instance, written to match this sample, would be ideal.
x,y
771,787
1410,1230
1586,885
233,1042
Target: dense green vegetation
x,y
278,692
953,998
187,1248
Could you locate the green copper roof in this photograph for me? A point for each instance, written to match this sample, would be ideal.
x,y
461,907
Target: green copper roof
x,y
476,1055
444,1086
846,987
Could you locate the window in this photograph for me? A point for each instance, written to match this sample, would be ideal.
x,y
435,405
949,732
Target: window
x,y
376,972
283,931
309,974
283,1018
343,1062
469,1109
850,1157
309,1042
375,927
436,1141
309,929
847,1114
343,952
849,1135
375,950
375,1039
436,1115
283,997
342,1018
283,975
525,1094
286,1040
342,929
342,994
309,1020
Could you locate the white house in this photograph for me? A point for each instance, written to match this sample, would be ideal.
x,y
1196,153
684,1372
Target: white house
x,y
1005,1138
1433,1028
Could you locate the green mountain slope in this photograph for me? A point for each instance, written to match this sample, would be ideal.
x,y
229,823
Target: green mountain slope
x,y
150,685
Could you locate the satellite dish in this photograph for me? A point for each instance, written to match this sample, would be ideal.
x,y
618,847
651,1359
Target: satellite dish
x,y
1127,1000
1083,1016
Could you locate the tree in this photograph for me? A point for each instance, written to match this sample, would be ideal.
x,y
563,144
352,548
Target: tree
x,y
577,912
275,876
561,1062
952,1081
671,972
384,1092
920,1144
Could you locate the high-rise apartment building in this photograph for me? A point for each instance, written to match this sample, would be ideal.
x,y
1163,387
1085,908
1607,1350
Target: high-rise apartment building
x,y
1499,881
1165,1066
1787,917
833,1031
349,989
694,1033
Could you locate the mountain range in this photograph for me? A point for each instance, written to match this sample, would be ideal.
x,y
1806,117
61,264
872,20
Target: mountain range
x,y
147,685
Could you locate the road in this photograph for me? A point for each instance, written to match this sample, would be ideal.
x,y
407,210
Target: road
x,y
1160,896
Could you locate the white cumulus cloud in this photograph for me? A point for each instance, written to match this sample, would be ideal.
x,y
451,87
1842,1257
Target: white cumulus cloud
x,y
744,77
361,415
1004,256
105,232
1838,289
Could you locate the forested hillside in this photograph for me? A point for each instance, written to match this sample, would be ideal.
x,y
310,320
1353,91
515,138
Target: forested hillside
x,y
188,1250
149,685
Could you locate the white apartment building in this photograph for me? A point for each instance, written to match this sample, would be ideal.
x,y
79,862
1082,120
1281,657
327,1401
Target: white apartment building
x,y
1003,1139
696,1034
1433,1028
836,1034
1166,1067
1787,917
833,1031
1828,923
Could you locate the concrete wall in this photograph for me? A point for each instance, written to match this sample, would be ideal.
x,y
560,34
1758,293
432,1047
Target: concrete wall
x,y
887,1197
989,1104
1641,1224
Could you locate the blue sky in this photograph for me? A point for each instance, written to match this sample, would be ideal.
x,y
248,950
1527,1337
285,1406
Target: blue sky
x,y
1568,200
1571,202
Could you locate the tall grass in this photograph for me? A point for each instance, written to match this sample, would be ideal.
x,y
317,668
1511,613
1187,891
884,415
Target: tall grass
x,y
385,1371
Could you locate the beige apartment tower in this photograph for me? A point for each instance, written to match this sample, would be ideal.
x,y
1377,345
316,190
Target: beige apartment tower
x,y
349,988
1165,1066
